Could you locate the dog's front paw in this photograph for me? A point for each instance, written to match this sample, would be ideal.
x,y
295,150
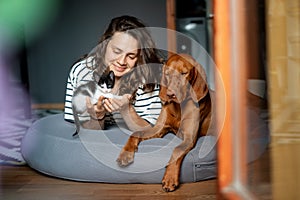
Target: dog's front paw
x,y
170,183
125,158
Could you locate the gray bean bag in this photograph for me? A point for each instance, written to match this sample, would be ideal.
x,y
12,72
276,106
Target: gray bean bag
x,y
49,147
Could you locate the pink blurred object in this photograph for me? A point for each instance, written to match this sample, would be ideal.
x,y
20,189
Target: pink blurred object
x,y
13,120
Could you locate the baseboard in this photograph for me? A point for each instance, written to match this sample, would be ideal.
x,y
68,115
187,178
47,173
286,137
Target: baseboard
x,y
52,106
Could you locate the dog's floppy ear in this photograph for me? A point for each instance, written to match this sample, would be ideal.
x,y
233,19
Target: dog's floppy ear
x,y
199,87
163,87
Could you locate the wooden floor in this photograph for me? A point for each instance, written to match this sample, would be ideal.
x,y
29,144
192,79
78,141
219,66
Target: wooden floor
x,y
21,182
25,183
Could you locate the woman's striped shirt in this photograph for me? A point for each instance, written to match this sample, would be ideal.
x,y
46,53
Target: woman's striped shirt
x,y
147,104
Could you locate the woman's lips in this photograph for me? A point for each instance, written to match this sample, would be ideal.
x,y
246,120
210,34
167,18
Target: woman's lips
x,y
119,69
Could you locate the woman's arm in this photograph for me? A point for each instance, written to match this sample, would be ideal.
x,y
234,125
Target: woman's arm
x,y
68,112
97,114
78,74
142,114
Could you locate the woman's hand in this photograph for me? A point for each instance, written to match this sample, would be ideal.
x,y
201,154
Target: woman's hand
x,y
96,111
131,118
121,105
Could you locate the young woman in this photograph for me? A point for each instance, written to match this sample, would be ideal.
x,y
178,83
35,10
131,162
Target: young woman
x,y
127,49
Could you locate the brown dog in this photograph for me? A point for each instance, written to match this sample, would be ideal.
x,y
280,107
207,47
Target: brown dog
x,y
186,111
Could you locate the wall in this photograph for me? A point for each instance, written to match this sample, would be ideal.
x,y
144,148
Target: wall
x,y
74,31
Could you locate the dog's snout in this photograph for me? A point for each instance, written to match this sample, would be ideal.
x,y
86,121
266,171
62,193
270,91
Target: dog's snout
x,y
170,93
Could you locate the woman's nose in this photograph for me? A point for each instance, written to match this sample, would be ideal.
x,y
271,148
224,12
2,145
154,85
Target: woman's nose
x,y
122,59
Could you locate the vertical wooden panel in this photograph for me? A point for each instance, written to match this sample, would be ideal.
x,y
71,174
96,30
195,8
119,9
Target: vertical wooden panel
x,y
283,47
222,59
230,47
252,26
171,25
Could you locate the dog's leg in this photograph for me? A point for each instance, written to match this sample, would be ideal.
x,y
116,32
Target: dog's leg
x,y
189,133
126,156
170,181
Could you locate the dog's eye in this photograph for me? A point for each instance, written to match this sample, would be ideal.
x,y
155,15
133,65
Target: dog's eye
x,y
183,73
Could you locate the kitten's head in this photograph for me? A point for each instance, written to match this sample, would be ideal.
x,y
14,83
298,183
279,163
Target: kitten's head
x,y
107,81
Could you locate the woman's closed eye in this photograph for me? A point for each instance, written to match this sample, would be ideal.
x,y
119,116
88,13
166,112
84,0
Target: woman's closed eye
x,y
132,56
117,51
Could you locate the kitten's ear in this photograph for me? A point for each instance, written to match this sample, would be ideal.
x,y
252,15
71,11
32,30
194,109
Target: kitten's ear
x,y
111,75
96,76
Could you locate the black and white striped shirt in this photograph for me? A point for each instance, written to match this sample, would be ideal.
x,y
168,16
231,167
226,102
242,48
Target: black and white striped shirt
x,y
147,104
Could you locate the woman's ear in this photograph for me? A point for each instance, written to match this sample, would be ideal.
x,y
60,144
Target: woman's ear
x,y
199,87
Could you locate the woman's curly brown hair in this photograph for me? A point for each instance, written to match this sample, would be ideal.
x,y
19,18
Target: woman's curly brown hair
x,y
147,71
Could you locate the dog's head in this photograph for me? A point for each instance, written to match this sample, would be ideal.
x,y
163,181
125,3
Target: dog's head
x,y
183,77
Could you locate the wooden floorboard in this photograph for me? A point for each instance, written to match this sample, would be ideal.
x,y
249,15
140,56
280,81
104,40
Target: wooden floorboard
x,y
21,182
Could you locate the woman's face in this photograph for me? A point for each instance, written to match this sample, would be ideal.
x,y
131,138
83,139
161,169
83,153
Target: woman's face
x,y
121,53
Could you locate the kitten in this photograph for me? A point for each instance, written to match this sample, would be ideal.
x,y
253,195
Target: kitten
x,y
93,90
